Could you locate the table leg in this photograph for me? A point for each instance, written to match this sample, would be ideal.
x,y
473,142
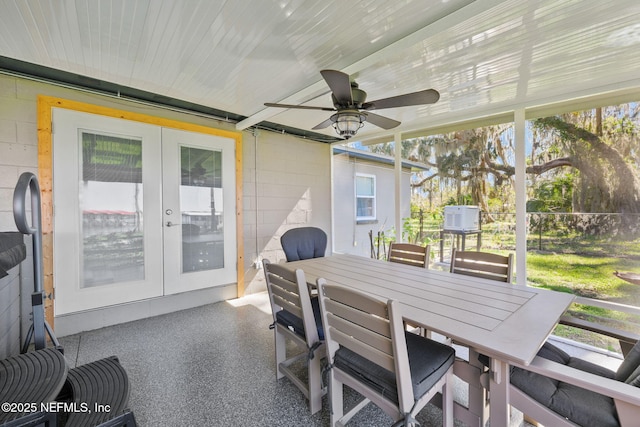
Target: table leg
x,y
472,413
478,397
499,389
464,239
441,246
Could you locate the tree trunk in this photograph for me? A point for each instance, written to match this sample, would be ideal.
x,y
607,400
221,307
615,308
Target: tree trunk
x,y
588,151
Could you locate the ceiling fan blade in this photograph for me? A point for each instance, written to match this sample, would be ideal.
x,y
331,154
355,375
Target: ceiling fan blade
x,y
339,84
323,125
381,121
428,96
300,107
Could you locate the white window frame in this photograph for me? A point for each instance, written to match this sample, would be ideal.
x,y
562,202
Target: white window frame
x,y
374,197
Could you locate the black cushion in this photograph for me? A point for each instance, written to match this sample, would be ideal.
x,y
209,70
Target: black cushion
x,y
304,243
292,321
428,361
581,406
104,382
12,251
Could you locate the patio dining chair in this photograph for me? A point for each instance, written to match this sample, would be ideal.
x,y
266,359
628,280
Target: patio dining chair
x,y
304,243
559,390
410,254
482,264
296,319
369,351
485,265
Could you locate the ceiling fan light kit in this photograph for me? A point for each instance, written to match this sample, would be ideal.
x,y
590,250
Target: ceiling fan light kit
x,y
349,100
346,123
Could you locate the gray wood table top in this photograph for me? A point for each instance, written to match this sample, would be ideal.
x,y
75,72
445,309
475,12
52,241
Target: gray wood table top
x,y
501,320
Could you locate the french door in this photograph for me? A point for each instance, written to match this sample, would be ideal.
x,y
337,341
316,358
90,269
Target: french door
x,y
198,210
140,211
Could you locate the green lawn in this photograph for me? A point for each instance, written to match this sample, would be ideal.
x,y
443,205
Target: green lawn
x,y
591,277
584,275
570,262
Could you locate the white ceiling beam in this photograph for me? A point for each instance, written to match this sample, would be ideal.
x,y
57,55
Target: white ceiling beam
x,y
454,18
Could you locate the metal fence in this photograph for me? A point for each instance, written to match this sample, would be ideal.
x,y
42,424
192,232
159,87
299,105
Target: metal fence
x,y
580,233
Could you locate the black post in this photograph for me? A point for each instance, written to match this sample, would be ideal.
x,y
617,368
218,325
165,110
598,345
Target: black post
x,y
539,231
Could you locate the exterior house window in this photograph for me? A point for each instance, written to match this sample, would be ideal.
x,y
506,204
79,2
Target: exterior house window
x,y
365,197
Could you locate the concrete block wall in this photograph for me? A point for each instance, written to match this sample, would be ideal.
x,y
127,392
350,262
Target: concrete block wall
x,y
18,154
18,145
290,187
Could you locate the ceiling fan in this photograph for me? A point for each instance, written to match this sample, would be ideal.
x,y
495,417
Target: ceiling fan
x,y
352,110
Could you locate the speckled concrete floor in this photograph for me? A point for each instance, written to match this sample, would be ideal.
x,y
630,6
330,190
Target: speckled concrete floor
x,y
213,366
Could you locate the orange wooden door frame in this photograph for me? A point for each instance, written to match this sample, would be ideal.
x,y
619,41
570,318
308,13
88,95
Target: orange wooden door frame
x,y
45,107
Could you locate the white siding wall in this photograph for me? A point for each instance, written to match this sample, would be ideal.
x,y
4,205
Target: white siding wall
x,y
292,187
351,237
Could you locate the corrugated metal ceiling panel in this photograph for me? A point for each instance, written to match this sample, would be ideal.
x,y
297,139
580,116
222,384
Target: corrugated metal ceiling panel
x,y
484,56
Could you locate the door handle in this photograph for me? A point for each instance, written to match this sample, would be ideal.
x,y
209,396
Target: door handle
x,y
171,224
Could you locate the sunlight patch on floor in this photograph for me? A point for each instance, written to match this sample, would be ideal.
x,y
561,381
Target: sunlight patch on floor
x,y
259,300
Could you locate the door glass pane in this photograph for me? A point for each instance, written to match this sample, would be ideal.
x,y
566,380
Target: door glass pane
x,y
201,206
111,209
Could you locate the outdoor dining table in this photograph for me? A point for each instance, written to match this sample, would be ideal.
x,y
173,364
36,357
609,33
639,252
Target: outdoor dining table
x,y
505,322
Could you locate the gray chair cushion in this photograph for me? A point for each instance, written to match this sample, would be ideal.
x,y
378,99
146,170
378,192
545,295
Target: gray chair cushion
x,y
428,361
304,243
292,321
634,378
581,406
629,365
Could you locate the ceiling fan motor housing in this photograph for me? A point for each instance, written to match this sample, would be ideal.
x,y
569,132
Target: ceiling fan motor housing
x,y
358,97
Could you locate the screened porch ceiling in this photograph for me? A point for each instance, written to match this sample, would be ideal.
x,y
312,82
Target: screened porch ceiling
x,y
485,57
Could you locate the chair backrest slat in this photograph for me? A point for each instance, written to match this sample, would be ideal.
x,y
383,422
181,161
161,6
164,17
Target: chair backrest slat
x,y
360,317
363,348
482,264
498,269
287,302
279,270
284,289
368,335
283,283
410,254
